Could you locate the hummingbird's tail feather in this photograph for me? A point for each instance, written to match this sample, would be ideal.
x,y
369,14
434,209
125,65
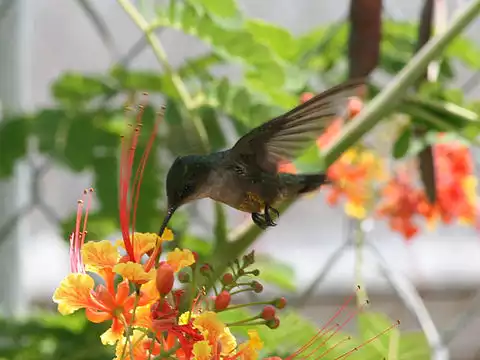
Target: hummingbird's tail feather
x,y
311,182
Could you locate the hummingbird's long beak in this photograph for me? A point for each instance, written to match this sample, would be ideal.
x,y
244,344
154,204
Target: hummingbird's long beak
x,y
167,218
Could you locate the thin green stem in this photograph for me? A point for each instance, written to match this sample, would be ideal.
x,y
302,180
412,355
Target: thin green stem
x,y
162,58
243,322
128,340
239,306
359,237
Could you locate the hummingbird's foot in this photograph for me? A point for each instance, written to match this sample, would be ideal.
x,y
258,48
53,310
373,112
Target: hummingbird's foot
x,y
259,220
268,215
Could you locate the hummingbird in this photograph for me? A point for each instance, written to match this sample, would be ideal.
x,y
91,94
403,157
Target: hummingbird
x,y
246,176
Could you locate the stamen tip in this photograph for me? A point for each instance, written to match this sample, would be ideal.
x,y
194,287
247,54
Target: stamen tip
x,y
80,202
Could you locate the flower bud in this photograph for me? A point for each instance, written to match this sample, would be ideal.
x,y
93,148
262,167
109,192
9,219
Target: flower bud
x,y
256,286
255,272
183,277
249,259
227,279
205,269
268,312
164,278
222,300
273,323
280,303
195,255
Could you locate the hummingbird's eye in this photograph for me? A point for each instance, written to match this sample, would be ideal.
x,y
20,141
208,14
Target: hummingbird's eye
x,y
187,189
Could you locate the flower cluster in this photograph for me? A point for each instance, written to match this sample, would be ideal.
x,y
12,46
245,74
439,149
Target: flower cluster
x,y
135,284
402,201
361,177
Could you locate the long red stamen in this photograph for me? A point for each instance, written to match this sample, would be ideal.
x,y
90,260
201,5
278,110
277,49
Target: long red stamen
x,y
139,174
334,346
75,255
138,127
88,194
337,329
348,353
123,191
320,333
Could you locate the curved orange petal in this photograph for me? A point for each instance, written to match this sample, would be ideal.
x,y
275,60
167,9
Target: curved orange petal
x,y
123,290
73,293
97,316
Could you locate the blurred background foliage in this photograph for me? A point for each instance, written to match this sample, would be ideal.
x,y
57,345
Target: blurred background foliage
x,y
206,112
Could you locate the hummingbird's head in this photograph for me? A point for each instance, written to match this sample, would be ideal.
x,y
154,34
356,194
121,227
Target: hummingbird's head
x,y
185,180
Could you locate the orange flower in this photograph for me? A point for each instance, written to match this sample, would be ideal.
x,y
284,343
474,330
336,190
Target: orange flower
x,y
455,189
103,302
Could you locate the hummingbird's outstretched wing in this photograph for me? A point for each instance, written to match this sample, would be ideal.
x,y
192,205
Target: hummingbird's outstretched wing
x,y
286,136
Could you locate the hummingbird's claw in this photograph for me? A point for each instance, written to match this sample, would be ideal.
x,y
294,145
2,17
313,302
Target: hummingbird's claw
x,y
268,216
259,220
265,220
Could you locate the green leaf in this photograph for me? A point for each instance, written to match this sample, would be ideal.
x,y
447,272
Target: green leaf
x,y
50,127
232,43
276,273
224,8
144,81
201,246
199,66
182,138
216,135
72,88
106,169
402,144
371,324
273,36
13,143
414,346
465,50
79,144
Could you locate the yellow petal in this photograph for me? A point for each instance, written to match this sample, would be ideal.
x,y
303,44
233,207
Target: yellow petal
x,y
143,317
355,210
144,242
149,292
469,185
228,342
202,350
110,337
254,340
123,348
73,293
99,255
134,272
183,319
208,321
178,259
